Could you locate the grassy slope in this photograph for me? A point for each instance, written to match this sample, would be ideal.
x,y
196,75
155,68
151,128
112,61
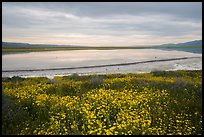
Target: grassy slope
x,y
149,103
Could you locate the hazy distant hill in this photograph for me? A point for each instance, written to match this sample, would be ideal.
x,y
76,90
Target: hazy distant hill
x,y
13,44
190,43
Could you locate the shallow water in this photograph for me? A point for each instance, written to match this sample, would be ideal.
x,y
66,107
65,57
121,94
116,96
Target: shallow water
x,y
191,50
80,58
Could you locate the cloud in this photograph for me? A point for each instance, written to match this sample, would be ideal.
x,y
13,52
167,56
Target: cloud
x,y
101,23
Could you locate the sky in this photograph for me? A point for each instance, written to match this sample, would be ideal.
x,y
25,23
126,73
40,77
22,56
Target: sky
x,y
101,23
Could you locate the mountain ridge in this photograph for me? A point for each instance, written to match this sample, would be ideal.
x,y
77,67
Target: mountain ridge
x,y
189,43
15,44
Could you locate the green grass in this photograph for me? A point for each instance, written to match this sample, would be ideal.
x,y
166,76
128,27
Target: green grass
x,y
151,103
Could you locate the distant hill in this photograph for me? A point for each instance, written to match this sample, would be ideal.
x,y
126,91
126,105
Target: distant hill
x,y
13,44
190,43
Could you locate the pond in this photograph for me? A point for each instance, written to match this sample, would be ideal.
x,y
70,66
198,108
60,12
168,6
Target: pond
x,y
83,58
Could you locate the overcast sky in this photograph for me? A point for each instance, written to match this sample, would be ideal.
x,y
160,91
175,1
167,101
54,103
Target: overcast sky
x,y
101,23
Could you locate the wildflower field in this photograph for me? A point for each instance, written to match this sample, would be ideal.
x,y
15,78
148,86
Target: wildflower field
x,y
156,103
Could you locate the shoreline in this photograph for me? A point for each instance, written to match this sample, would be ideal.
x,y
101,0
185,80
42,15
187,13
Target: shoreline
x,y
99,74
99,66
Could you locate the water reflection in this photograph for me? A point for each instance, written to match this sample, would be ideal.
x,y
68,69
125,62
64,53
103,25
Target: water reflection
x,y
77,58
191,50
